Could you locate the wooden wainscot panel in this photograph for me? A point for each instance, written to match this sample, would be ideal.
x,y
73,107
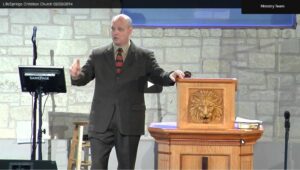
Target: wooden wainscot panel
x,y
206,103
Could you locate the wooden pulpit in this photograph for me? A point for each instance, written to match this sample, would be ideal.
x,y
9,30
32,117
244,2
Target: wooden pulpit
x,y
204,136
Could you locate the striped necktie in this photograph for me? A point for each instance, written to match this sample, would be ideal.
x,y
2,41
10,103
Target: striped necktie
x,y
119,61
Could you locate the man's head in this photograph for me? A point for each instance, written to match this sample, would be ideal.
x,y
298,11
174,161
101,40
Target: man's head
x,y
121,29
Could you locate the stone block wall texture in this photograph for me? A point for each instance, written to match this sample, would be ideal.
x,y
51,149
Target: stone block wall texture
x,y
266,63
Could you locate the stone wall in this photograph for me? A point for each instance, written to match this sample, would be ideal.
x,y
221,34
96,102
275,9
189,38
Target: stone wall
x,y
266,63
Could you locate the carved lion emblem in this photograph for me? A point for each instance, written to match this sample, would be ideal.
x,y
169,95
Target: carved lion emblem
x,y
205,106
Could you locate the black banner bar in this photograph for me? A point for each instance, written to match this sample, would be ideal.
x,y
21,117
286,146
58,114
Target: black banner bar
x,y
120,3
248,6
270,6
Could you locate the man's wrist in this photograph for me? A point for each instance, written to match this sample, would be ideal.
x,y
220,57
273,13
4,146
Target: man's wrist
x,y
74,77
171,76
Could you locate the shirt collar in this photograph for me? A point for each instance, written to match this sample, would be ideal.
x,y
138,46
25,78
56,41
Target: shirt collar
x,y
124,47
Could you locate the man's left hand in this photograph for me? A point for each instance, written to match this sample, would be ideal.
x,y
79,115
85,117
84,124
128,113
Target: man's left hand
x,y
175,74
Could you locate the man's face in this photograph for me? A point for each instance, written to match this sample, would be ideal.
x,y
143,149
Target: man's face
x,y
120,31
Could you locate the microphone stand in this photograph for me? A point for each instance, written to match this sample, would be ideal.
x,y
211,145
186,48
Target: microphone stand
x,y
37,97
33,149
40,131
52,94
287,129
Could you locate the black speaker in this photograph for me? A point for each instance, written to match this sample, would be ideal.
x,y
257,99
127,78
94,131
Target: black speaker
x,y
27,165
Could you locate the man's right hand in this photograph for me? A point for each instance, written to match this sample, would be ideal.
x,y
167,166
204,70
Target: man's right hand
x,y
75,68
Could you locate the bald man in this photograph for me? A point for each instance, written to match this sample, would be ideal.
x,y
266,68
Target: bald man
x,y
117,115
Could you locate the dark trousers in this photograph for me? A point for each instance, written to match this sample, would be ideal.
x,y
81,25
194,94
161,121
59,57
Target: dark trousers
x,y
102,144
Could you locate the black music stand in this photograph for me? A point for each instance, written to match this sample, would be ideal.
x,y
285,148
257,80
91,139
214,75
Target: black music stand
x,y
41,79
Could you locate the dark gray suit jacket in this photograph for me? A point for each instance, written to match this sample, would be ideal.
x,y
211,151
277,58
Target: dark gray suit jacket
x,y
120,91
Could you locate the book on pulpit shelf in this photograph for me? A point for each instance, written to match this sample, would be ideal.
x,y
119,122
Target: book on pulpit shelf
x,y
243,123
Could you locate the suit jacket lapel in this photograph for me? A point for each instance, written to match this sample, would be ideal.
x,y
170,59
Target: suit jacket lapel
x,y
109,56
130,58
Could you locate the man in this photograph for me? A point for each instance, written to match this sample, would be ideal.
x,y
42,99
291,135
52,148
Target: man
x,y
117,115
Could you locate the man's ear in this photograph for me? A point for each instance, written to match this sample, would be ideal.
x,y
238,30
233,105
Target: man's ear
x,y
130,30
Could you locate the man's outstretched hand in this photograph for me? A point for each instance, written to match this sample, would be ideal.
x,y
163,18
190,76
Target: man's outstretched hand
x,y
75,68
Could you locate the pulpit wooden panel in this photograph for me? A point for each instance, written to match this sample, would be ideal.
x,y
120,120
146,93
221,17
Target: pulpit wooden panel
x,y
190,161
206,103
230,149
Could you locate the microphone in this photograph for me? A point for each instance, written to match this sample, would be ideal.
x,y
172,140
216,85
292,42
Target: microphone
x,y
187,74
287,119
33,39
52,57
287,129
